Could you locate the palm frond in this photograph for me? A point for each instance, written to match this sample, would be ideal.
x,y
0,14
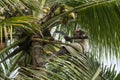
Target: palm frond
x,y
100,19
9,58
22,22
102,24
118,77
15,44
20,6
72,68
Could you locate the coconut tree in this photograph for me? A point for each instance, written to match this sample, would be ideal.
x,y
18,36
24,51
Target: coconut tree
x,y
27,42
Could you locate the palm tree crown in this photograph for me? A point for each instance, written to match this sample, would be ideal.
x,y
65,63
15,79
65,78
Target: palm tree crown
x,y
27,42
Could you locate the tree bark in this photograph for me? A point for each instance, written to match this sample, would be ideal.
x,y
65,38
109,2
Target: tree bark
x,y
38,57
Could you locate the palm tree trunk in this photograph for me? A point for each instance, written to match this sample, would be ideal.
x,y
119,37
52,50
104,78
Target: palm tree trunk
x,y
38,57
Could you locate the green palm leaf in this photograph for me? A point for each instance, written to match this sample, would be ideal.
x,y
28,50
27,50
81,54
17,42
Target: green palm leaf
x,y
73,68
99,18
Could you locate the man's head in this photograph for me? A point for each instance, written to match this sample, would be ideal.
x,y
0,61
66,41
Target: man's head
x,y
79,33
82,38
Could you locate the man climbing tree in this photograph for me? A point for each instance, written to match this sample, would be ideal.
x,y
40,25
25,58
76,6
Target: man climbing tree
x,y
31,41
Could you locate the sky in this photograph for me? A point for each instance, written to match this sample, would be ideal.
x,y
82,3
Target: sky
x,y
113,61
